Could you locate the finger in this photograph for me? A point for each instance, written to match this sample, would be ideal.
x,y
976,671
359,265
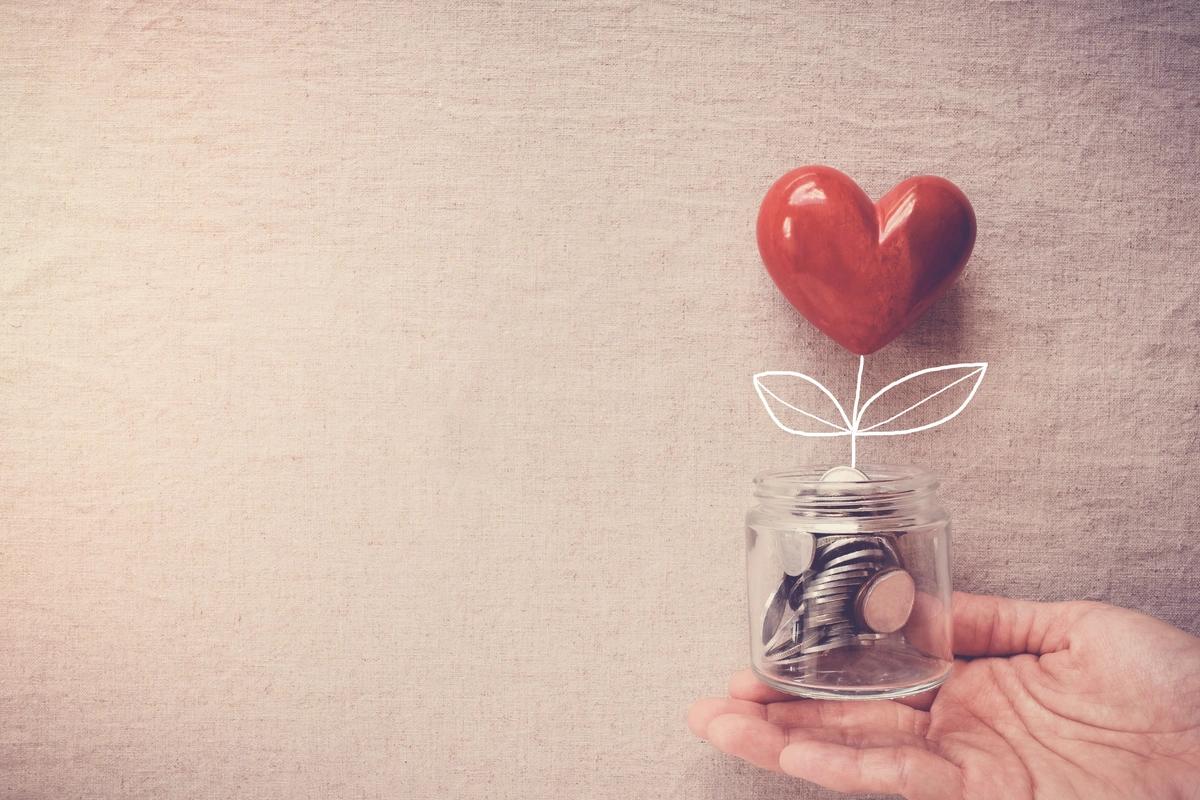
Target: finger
x,y
910,771
1000,626
749,738
706,710
745,685
858,737
838,714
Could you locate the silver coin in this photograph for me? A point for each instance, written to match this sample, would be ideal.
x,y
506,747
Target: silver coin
x,y
796,549
844,571
832,597
832,578
831,541
777,604
849,546
816,634
822,578
863,552
827,601
783,636
844,475
794,660
828,613
825,587
801,657
830,589
823,618
783,649
796,595
855,557
812,637
820,619
840,594
836,578
833,644
830,572
833,602
826,543
888,542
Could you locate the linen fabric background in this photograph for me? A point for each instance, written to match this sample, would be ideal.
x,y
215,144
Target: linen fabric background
x,y
375,385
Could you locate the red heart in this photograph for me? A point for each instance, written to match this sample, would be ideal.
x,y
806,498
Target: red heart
x,y
863,272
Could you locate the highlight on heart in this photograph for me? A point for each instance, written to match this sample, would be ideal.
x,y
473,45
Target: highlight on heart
x,y
862,273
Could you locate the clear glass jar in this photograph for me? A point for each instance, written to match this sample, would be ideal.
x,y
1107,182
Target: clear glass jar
x,y
849,583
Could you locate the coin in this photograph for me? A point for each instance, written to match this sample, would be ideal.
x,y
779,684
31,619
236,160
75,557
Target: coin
x,y
888,543
837,589
842,628
794,659
786,628
783,649
813,637
832,644
885,602
844,475
828,543
777,604
855,556
841,572
795,597
822,621
796,551
837,544
845,593
842,587
831,587
836,610
845,571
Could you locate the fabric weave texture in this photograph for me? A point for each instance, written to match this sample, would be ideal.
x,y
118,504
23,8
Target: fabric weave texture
x,y
375,379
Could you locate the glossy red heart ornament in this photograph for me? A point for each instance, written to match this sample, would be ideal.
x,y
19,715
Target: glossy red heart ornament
x,y
863,272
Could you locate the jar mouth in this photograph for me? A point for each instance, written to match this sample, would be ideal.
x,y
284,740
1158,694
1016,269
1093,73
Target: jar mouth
x,y
803,485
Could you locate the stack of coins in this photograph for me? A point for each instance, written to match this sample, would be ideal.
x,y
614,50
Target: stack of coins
x,y
838,590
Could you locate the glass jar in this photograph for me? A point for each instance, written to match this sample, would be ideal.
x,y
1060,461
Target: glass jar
x,y
849,583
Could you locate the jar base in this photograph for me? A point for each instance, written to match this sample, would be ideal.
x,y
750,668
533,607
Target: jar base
x,y
851,692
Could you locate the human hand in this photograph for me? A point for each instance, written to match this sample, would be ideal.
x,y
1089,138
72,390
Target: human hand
x,y
1050,700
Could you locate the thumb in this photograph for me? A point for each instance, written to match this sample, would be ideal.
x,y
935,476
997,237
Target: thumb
x,y
1000,626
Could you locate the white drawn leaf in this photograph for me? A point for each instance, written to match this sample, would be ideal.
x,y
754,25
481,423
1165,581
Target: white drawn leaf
x,y
966,377
779,392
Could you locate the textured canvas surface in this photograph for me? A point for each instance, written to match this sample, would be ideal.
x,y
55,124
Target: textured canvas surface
x,y
375,379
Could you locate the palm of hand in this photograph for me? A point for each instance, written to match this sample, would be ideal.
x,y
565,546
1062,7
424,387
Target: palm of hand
x,y
1110,709
1116,713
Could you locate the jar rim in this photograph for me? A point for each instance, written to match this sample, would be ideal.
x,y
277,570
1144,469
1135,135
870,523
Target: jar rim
x,y
805,481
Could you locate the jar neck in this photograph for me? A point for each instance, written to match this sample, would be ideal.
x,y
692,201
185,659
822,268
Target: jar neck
x,y
891,492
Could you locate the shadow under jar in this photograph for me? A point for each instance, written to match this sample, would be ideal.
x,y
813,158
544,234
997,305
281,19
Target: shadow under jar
x,y
849,583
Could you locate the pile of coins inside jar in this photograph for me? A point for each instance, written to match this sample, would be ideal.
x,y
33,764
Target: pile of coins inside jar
x,y
838,590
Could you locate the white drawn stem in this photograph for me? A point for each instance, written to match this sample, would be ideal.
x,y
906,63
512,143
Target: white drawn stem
x,y
862,360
